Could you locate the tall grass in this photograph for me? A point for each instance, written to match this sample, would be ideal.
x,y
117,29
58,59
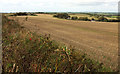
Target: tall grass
x,y
24,51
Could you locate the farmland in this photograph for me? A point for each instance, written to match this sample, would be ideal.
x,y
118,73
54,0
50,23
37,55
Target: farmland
x,y
26,51
112,17
99,40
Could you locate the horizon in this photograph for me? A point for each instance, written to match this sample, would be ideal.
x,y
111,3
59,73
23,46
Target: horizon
x,y
59,12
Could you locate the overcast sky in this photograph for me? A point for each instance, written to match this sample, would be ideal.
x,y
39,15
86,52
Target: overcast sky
x,y
59,5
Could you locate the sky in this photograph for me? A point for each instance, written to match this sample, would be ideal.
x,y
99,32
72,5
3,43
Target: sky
x,y
59,5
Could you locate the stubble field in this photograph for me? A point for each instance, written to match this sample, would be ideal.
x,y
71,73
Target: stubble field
x,y
99,40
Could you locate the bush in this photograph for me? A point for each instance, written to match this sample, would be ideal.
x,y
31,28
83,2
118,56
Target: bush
x,y
102,18
84,18
62,15
93,19
21,14
113,20
97,16
32,14
74,18
54,15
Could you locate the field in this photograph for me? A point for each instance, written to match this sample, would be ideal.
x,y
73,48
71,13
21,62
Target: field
x,y
24,51
90,17
99,40
81,15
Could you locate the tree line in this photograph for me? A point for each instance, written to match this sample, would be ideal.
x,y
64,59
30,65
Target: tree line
x,y
99,18
23,14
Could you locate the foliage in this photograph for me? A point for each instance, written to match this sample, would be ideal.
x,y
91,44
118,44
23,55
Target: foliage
x,y
102,18
93,19
32,14
84,18
23,14
62,15
24,51
113,20
74,18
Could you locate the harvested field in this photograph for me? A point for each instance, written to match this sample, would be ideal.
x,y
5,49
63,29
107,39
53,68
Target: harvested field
x,y
98,39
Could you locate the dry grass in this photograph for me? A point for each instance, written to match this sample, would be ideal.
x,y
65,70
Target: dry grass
x,y
24,51
98,39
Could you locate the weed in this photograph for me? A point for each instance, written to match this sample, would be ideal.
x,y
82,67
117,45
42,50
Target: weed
x,y
24,51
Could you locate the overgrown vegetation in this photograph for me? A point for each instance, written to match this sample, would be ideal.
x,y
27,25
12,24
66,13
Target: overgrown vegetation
x,y
23,14
24,51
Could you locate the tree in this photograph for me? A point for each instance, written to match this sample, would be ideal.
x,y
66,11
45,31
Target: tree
x,y
62,15
54,15
21,14
74,18
93,19
102,18
84,18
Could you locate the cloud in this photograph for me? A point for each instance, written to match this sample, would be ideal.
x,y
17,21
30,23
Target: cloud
x,y
58,5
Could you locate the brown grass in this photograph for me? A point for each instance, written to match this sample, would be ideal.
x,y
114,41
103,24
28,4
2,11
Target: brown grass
x,y
98,39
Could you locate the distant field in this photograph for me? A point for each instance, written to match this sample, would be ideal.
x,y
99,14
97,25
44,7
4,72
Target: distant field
x,y
81,15
98,39
90,17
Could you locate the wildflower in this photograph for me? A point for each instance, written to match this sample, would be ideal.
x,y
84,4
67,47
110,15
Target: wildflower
x,y
30,39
